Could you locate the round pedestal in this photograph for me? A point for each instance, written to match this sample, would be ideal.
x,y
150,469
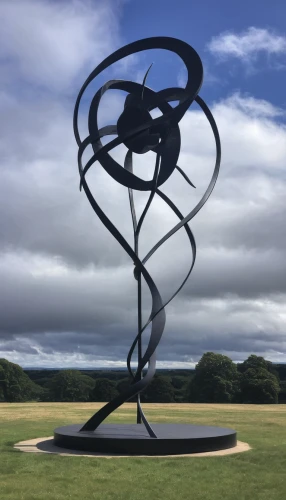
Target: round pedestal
x,y
133,439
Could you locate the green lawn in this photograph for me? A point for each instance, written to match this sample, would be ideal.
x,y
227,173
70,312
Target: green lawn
x,y
257,474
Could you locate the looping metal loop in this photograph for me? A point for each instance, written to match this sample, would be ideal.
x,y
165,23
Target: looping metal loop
x,y
140,133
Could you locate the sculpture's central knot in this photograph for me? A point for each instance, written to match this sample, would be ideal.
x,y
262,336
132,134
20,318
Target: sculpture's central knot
x,y
133,116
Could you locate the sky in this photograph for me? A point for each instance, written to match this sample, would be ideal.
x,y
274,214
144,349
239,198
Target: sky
x,y
68,295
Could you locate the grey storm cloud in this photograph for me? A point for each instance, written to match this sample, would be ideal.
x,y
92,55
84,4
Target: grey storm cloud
x,y
68,295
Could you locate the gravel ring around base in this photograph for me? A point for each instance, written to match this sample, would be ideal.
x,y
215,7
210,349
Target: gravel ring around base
x,y
46,445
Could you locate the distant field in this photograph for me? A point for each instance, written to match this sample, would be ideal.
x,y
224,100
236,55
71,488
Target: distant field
x,y
257,474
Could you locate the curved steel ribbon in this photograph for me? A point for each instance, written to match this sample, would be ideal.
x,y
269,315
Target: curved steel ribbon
x,y
141,133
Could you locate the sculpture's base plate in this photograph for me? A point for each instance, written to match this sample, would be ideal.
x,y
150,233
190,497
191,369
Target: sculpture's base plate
x,y
133,439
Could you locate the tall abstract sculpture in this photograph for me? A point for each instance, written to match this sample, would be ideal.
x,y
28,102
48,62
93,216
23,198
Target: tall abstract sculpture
x,y
140,133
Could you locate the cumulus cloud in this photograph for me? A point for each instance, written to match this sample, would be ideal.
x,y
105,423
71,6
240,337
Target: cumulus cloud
x,y
49,43
247,44
68,293
256,49
254,107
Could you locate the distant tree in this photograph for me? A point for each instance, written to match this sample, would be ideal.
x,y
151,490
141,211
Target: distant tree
x,y
104,390
259,387
254,362
70,385
178,382
181,384
282,393
259,382
123,384
15,385
216,380
160,390
3,389
281,370
257,362
41,377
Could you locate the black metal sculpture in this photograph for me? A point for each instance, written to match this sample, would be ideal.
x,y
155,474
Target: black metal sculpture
x,y
140,133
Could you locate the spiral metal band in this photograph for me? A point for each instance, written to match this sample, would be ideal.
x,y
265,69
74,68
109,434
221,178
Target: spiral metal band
x,y
140,133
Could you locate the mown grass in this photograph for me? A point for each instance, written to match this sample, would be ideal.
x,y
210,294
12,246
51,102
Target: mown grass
x,y
256,474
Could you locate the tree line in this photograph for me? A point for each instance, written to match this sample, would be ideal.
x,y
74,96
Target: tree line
x,y
215,379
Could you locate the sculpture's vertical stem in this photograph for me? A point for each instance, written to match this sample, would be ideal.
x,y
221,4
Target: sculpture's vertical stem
x,y
137,228
139,420
139,315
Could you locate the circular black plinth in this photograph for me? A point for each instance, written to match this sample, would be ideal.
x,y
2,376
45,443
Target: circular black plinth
x,y
133,439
